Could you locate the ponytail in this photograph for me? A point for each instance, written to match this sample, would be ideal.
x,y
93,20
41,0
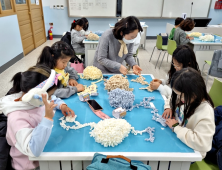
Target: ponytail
x,y
46,57
79,22
16,83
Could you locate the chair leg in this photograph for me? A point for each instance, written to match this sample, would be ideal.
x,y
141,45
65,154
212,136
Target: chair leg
x,y
207,79
167,57
138,61
152,53
158,59
203,69
162,60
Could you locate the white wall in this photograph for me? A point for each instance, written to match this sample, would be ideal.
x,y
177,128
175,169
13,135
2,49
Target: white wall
x,y
10,39
62,21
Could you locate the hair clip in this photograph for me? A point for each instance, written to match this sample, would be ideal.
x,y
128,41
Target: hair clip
x,y
74,21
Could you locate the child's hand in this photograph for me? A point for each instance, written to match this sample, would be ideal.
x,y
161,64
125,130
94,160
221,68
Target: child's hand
x,y
187,37
80,87
167,113
154,85
49,107
137,70
67,111
191,38
73,82
157,80
171,122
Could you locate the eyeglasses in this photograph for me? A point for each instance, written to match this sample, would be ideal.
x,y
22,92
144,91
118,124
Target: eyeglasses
x,y
175,65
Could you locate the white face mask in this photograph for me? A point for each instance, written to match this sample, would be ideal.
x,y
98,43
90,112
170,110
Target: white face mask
x,y
128,41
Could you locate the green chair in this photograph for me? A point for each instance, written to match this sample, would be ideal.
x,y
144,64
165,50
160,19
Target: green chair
x,y
136,57
171,47
159,46
216,92
203,165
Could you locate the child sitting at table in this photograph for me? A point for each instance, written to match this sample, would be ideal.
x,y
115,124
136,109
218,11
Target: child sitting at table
x,y
180,36
85,28
182,57
177,24
76,37
30,115
193,114
57,57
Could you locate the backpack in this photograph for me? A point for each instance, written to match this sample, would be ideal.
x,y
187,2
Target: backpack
x,y
215,154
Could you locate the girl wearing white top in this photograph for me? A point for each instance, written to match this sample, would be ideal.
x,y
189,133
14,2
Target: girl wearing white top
x,y
193,115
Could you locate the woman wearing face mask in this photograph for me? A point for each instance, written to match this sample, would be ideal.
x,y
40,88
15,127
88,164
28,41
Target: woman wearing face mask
x,y
117,45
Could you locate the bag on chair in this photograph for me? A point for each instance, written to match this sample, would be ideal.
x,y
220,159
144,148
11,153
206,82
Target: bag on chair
x,y
78,66
109,162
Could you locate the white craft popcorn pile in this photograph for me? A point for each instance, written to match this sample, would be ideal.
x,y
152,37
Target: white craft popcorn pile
x,y
111,132
93,37
92,73
207,38
195,34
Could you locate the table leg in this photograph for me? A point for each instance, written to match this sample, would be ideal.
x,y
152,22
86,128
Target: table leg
x,y
163,165
175,165
77,165
44,165
54,165
153,165
185,166
85,164
66,165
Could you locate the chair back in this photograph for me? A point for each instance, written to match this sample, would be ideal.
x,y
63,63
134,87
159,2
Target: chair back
x,y
216,92
159,42
216,64
171,46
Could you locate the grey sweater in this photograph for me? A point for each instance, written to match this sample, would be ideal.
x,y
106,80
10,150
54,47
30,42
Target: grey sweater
x,y
106,57
76,41
180,37
66,92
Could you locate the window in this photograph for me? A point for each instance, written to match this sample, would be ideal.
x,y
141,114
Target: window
x,y
20,1
32,1
7,7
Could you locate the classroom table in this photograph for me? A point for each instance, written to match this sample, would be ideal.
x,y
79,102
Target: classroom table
x,y
143,36
204,50
75,148
90,49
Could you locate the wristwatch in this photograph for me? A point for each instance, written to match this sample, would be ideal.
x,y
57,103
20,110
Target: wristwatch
x,y
176,124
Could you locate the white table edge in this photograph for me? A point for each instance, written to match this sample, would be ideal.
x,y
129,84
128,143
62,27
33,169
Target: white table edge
x,y
90,42
204,43
142,156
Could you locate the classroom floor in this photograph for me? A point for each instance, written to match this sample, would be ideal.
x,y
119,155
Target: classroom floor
x,y
144,56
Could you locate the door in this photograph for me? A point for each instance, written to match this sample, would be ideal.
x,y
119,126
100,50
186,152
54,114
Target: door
x,y
25,25
37,22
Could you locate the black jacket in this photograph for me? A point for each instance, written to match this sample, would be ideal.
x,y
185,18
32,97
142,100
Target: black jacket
x,y
215,154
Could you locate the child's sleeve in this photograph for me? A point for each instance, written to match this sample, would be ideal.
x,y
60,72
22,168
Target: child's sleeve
x,y
75,38
57,101
165,90
65,92
201,137
73,74
183,39
28,140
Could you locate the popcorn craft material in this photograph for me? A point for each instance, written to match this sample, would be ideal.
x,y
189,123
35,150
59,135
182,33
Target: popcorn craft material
x,y
108,132
195,34
117,81
91,73
208,38
93,37
140,80
92,90
146,88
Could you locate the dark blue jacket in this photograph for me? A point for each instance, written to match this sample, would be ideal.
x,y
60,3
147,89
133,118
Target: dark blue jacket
x,y
215,154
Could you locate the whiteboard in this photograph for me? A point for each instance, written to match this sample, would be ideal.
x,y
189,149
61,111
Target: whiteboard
x,y
92,8
142,8
175,8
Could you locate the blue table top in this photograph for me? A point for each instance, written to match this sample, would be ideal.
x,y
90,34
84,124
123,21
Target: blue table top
x,y
80,140
197,40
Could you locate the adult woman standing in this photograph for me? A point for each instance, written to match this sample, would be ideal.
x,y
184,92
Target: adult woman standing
x,y
117,45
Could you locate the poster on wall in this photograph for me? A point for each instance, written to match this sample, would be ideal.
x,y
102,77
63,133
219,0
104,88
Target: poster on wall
x,y
37,2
